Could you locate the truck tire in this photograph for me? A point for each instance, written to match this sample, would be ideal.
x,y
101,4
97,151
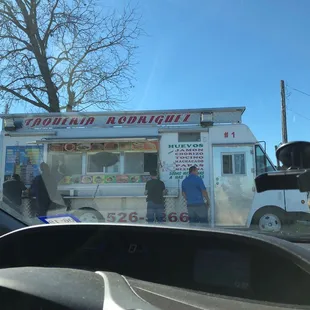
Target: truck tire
x,y
269,219
88,215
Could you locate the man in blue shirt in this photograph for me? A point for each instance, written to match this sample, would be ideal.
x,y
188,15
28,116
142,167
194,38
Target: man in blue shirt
x,y
195,194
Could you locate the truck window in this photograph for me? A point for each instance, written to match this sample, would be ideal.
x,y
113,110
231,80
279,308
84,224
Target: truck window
x,y
233,163
263,164
189,137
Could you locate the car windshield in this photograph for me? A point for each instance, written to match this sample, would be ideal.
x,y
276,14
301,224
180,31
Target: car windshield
x,y
174,113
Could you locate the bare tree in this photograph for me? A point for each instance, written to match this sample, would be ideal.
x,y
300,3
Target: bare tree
x,y
59,54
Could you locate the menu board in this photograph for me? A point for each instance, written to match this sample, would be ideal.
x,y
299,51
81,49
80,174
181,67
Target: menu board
x,y
104,179
24,161
144,146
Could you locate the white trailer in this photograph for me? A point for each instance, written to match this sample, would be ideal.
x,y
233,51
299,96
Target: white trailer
x,y
107,157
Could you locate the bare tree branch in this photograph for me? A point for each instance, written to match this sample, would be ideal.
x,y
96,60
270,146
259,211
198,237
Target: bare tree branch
x,y
15,93
56,54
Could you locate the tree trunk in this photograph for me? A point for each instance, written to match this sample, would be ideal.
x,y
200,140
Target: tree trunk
x,y
50,86
40,55
68,108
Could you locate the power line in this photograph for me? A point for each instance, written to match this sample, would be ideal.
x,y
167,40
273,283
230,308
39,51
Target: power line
x,y
301,115
299,91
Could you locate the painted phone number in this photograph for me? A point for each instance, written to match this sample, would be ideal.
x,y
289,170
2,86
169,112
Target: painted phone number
x,y
133,217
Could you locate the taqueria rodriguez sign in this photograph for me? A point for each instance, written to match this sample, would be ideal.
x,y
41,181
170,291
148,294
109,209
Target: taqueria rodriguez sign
x,y
128,119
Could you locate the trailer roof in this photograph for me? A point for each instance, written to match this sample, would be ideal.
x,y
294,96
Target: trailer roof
x,y
107,113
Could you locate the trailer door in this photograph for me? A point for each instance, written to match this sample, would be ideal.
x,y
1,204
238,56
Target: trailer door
x,y
234,188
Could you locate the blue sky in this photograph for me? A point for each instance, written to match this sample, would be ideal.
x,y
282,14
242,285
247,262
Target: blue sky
x,y
204,54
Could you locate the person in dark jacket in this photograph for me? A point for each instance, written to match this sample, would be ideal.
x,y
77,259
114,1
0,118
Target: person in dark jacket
x,y
12,192
155,190
44,188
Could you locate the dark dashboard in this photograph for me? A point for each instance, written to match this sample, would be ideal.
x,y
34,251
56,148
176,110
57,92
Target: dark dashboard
x,y
228,263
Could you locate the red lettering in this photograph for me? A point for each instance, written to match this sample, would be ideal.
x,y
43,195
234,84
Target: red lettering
x,y
27,121
64,121
47,121
56,121
111,120
132,119
186,118
90,121
177,118
74,121
159,119
122,120
142,119
36,122
151,119
169,119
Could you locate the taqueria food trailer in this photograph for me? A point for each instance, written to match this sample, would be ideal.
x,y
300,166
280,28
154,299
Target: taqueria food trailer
x,y
102,160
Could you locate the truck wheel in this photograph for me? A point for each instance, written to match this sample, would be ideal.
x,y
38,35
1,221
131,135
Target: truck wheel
x,y
269,219
88,215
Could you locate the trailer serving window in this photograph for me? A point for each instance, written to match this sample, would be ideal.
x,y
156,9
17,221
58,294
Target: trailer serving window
x,y
64,164
140,162
126,163
106,162
233,163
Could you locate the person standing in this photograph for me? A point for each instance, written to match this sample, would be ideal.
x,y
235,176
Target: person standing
x,y
155,190
195,194
44,189
12,192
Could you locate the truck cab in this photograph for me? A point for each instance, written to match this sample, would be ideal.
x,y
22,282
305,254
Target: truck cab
x,y
279,205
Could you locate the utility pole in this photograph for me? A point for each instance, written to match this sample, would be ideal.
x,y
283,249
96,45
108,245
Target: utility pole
x,y
6,111
6,108
283,112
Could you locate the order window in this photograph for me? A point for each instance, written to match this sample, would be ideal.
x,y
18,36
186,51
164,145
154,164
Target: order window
x,y
66,164
140,162
150,162
103,162
134,163
233,164
125,158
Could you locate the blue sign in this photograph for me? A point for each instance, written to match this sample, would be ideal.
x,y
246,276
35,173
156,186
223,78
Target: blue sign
x,y
24,161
